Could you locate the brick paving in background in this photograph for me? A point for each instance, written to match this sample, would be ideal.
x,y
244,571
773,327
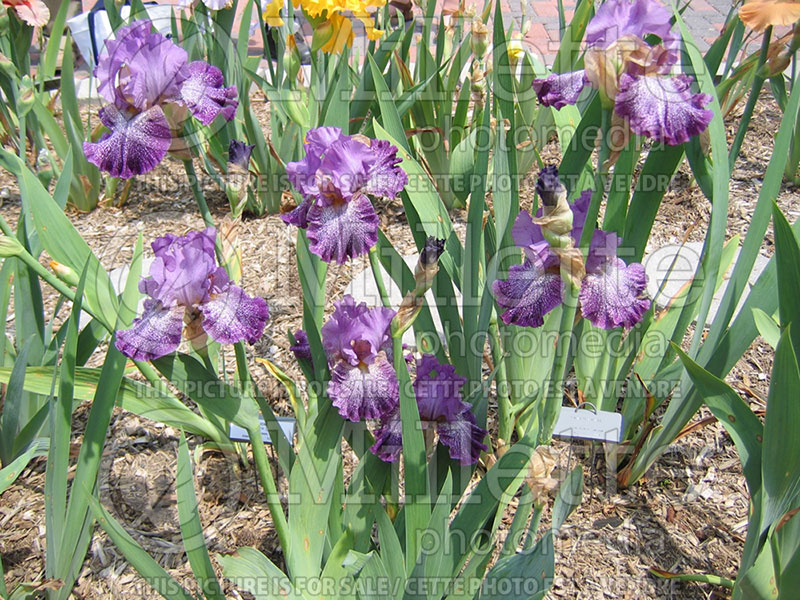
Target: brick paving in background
x,y
539,18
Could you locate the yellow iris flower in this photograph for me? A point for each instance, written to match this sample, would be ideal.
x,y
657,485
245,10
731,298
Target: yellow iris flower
x,y
341,27
272,14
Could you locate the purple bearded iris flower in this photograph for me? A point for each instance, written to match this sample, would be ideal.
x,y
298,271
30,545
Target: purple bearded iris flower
x,y
357,341
187,285
633,74
141,73
611,294
438,392
336,178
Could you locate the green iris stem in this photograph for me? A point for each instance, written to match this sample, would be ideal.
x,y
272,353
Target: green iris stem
x,y
506,421
194,183
758,83
375,263
553,394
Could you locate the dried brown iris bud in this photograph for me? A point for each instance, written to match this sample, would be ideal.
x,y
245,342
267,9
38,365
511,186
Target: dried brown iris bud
x,y
479,41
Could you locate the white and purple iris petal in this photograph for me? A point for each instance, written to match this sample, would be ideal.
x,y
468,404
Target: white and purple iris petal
x,y
134,143
532,290
389,438
663,108
156,333
204,95
185,280
230,315
560,89
343,230
368,391
613,294
463,437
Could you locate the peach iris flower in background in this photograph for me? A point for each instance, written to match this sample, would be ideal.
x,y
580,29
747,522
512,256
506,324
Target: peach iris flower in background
x,y
760,14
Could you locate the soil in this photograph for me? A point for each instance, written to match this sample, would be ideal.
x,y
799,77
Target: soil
x,y
689,514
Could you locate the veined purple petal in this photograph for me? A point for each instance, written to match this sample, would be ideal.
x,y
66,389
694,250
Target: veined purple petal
x,y
342,231
299,216
438,390
343,171
231,316
203,93
463,437
116,53
663,108
530,292
384,177
617,18
184,269
560,89
613,295
389,438
301,347
356,333
364,392
153,335
134,145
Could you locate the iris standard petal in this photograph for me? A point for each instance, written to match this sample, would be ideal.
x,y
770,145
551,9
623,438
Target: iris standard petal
x,y
438,390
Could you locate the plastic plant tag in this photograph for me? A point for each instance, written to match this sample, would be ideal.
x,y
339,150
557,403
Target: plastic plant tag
x,y
238,434
601,425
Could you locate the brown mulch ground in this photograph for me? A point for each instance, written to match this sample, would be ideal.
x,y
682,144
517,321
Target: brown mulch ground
x,y
689,514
